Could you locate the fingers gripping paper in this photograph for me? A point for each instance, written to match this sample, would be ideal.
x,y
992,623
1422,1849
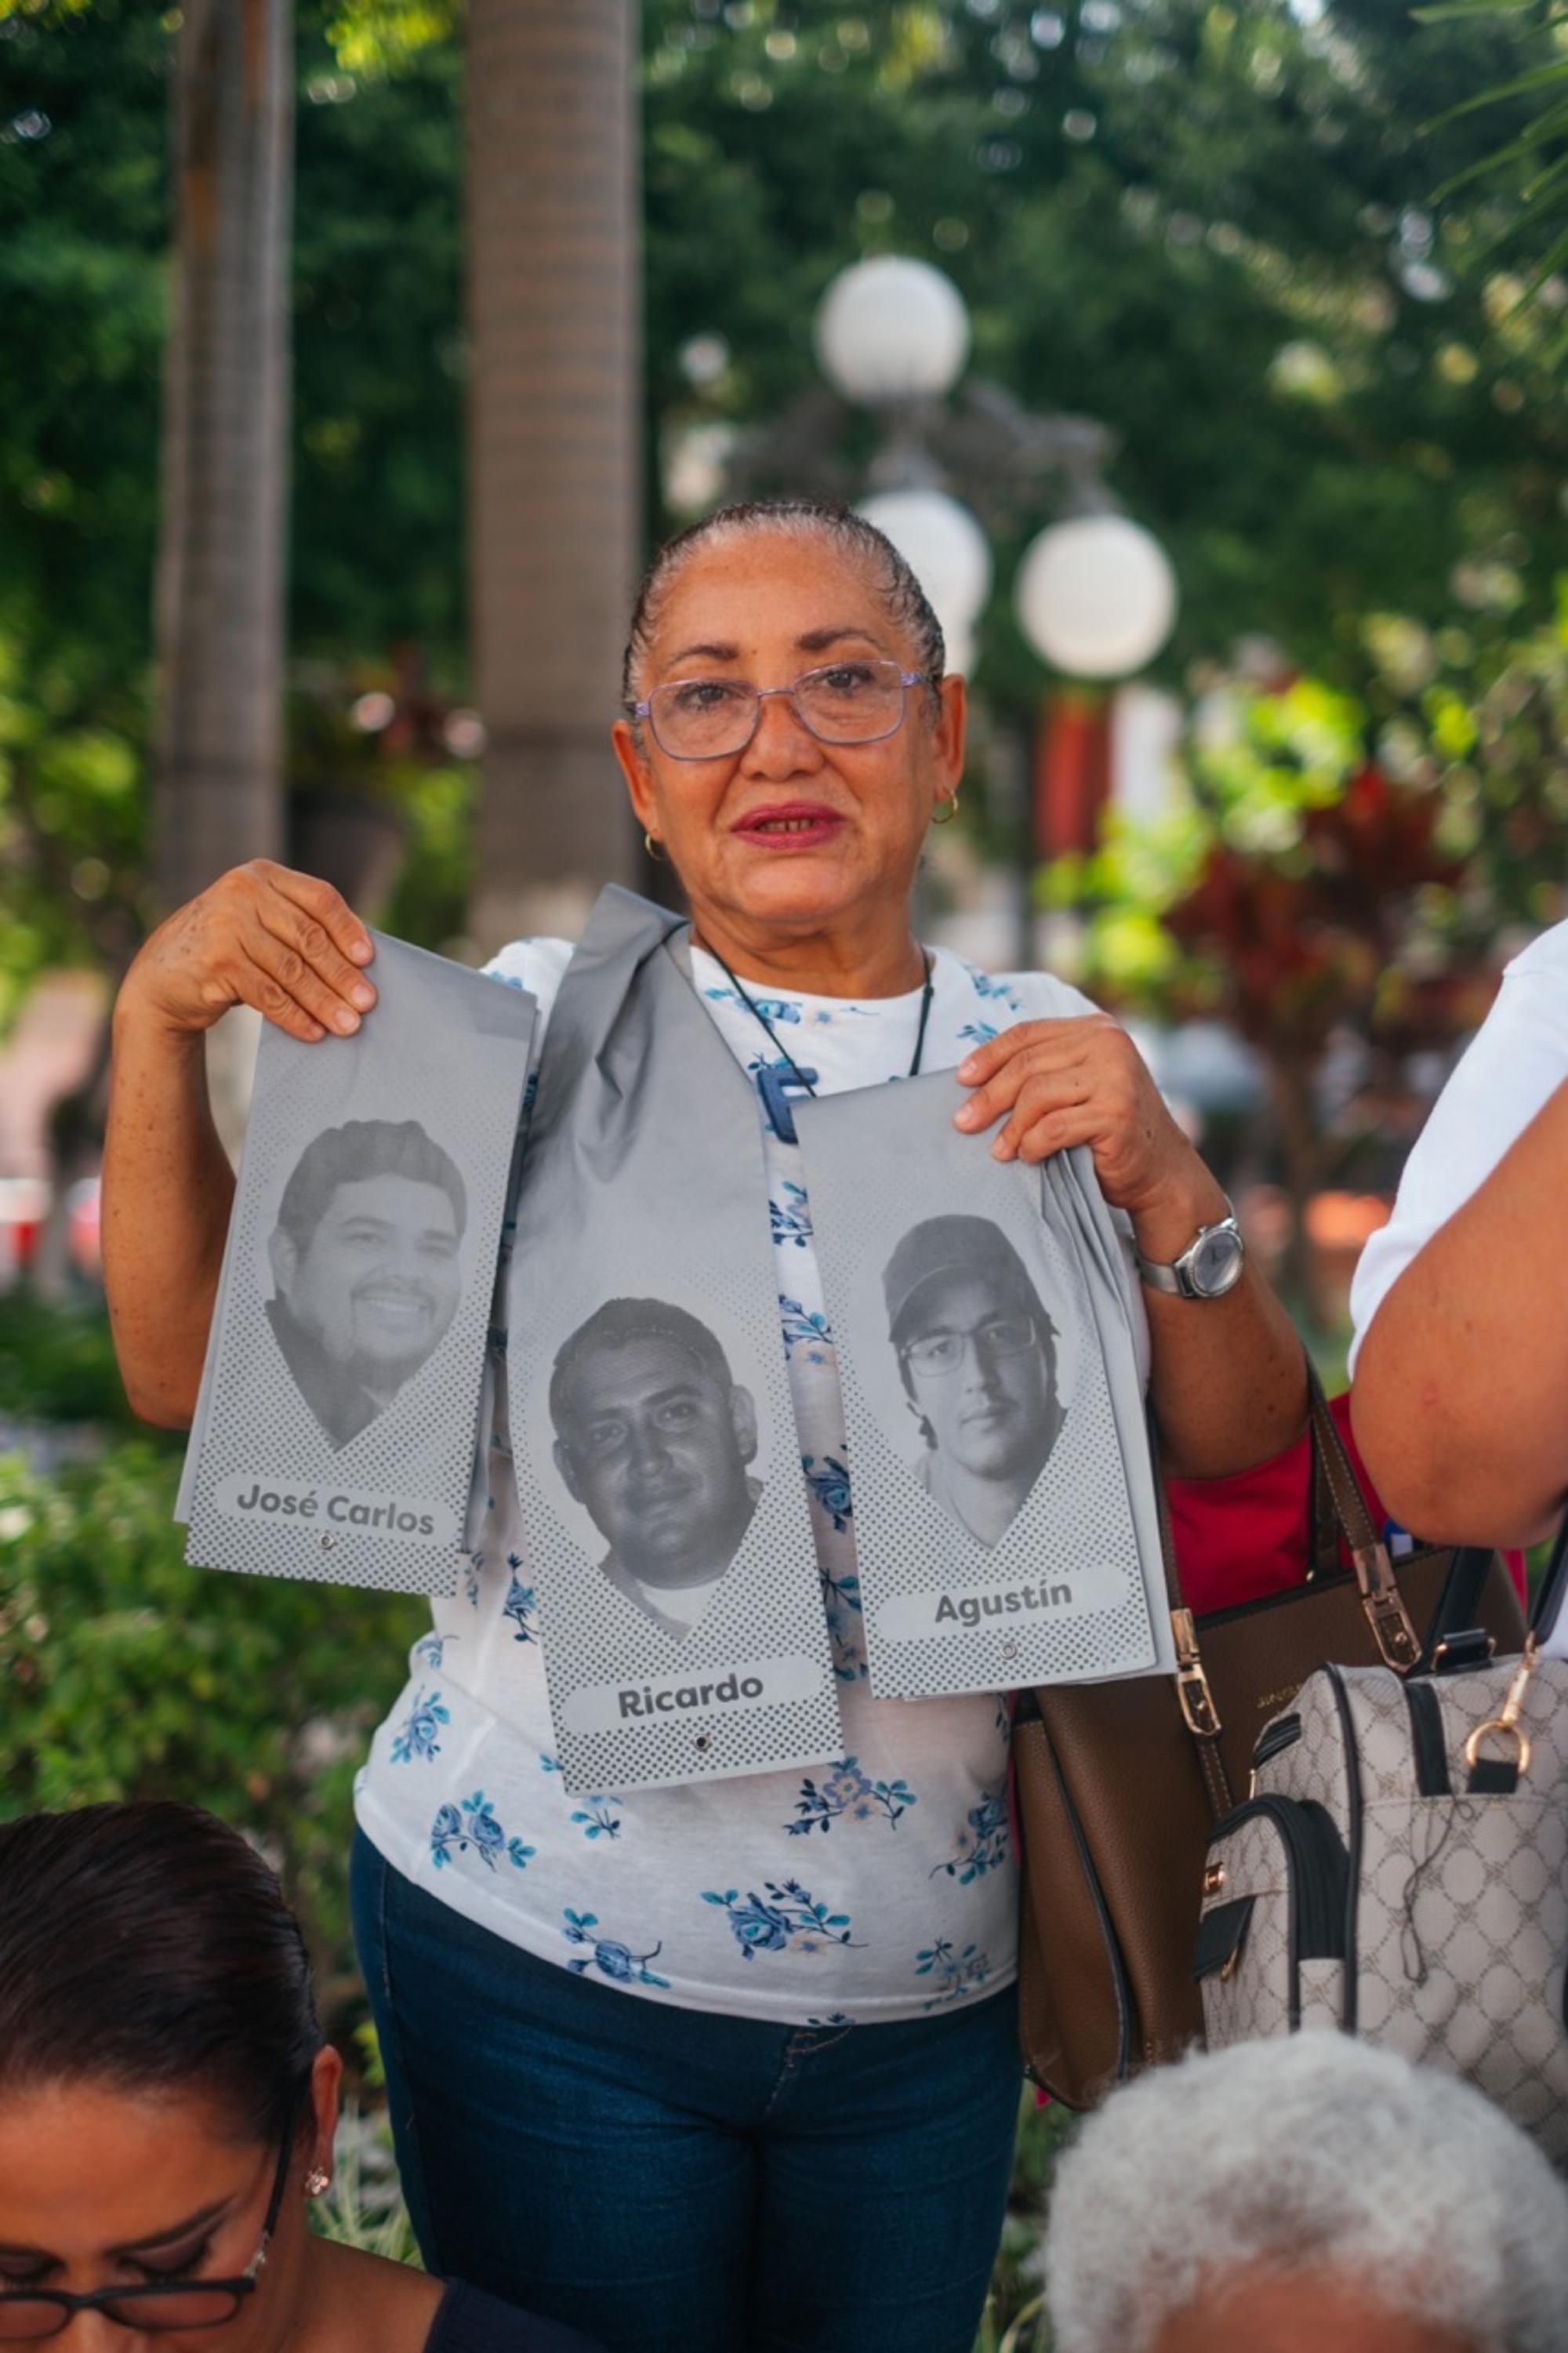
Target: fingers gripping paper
x,y
334,1434
1005,1523
653,1442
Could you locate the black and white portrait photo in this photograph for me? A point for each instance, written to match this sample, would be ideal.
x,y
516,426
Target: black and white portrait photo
x,y
655,1438
977,1361
365,1265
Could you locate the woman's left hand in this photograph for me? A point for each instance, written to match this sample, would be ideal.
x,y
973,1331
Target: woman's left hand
x,y
1080,1080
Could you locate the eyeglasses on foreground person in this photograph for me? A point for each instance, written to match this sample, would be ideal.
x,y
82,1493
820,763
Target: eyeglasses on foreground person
x,y
167,2110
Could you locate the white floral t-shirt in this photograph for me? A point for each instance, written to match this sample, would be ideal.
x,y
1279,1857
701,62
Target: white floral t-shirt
x,y
880,1885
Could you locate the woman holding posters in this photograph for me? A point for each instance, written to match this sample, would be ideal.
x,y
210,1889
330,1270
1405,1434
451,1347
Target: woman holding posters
x,y
732,2062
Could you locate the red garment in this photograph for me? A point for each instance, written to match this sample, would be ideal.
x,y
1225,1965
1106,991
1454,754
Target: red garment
x,y
1240,1537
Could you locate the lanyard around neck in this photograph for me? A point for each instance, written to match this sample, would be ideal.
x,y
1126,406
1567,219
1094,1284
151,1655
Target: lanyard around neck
x,y
773,1095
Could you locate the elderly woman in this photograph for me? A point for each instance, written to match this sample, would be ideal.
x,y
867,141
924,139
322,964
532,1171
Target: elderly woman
x,y
1285,2195
635,2083
168,2107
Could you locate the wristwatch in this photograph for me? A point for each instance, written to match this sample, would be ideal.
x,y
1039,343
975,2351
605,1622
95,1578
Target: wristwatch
x,y
1209,1266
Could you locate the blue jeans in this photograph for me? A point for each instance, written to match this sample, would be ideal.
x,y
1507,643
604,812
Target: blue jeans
x,y
677,2181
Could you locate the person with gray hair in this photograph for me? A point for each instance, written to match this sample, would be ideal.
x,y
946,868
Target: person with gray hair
x,y
1291,2195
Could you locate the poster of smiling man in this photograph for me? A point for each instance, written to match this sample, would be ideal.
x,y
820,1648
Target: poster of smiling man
x,y
334,1435
1005,1513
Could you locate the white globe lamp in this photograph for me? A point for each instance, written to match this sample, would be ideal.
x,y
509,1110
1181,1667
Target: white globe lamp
x,y
946,550
1097,597
892,329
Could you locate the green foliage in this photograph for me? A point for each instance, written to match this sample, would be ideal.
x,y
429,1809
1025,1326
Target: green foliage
x,y
126,1673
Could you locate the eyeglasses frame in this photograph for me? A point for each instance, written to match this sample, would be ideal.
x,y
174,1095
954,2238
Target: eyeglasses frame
x,y
1039,1331
907,678
100,2299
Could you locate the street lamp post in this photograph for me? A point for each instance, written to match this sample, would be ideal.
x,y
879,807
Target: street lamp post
x,y
1095,592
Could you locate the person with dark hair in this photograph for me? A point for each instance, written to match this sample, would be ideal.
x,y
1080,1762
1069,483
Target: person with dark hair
x,y
734,2063
976,1354
168,2107
653,1435
364,1256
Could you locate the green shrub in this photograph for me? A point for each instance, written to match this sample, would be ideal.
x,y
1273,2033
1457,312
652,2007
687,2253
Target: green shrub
x,y
124,1673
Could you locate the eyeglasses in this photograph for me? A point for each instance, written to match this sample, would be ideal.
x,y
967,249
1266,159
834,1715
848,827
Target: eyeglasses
x,y
845,703
27,2313
942,1352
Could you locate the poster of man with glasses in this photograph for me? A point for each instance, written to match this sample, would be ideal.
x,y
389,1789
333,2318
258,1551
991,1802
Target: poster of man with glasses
x,y
998,1459
977,1359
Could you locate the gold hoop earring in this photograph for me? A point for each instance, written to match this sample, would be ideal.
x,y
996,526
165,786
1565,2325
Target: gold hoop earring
x,y
940,817
317,2182
656,849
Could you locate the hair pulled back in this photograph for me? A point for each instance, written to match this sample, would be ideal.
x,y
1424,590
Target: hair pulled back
x,y
843,530
146,1948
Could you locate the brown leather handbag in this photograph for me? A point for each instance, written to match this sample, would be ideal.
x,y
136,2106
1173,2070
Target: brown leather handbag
x,y
1120,1784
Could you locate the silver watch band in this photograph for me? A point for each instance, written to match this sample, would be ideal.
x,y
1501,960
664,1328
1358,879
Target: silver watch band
x,y
1178,1279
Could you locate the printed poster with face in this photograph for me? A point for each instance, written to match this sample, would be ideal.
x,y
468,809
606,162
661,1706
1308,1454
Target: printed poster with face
x,y
1005,1526
335,1430
658,1472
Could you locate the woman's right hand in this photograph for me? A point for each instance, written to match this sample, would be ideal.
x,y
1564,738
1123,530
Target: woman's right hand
x,y
262,935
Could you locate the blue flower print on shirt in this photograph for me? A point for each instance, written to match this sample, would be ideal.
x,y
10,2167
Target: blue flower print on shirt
x,y
982,1845
788,1920
954,1974
984,985
835,2018
804,1330
419,1734
431,1649
473,1577
849,1795
522,1604
548,1764
978,1033
830,1483
475,1827
613,1960
791,1220
599,1819
776,1008
721,995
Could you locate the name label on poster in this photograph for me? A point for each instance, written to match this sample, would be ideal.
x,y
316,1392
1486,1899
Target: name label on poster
x,y
710,1691
922,1616
406,1519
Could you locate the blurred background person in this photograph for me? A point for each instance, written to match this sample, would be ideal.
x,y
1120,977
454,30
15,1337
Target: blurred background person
x,y
1303,2194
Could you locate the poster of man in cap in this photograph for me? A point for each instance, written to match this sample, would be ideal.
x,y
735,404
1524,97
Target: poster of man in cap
x,y
977,1356
988,1341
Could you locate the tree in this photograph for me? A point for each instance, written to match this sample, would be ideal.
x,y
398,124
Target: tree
x,y
220,580
553,479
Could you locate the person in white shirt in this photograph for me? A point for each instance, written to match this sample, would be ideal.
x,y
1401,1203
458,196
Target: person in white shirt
x,y
1459,1396
728,2063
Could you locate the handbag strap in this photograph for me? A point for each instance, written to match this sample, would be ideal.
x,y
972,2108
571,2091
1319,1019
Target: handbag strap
x,y
1386,1614
1545,1609
1194,1695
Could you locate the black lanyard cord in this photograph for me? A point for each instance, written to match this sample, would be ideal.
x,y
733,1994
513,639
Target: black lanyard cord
x,y
755,1010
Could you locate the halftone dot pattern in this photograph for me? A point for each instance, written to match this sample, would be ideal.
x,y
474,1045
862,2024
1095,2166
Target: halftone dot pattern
x,y
450,1048
1077,1524
642,1180
768,1605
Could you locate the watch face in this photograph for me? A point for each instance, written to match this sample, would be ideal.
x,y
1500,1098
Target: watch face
x,y
1215,1262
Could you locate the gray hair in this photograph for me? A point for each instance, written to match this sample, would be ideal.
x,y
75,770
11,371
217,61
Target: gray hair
x,y
1312,2152
847,533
